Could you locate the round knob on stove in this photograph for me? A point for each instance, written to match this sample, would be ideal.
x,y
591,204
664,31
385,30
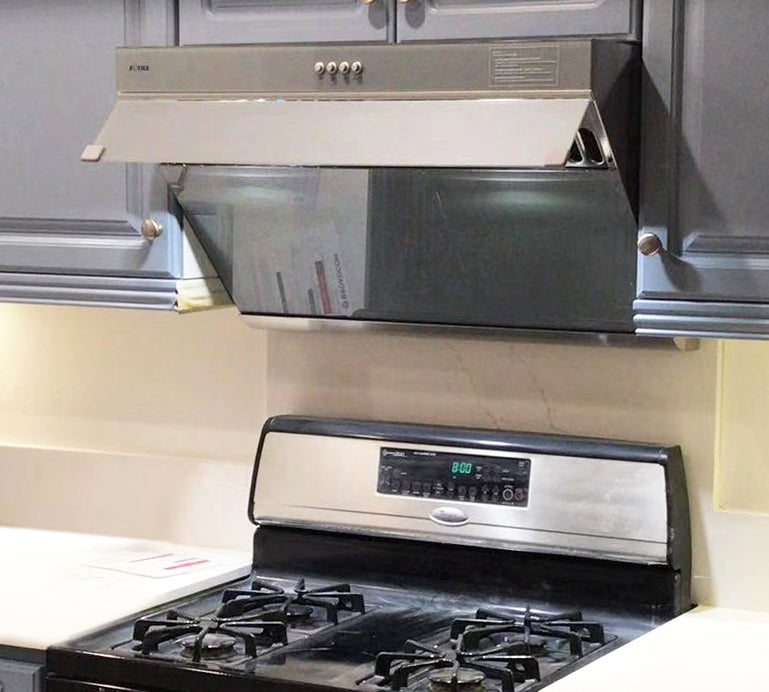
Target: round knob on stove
x,y
332,67
507,494
344,67
320,68
357,67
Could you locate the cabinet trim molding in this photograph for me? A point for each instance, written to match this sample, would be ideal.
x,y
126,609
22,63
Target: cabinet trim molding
x,y
677,318
96,291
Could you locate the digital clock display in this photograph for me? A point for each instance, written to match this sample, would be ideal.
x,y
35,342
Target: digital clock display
x,y
463,468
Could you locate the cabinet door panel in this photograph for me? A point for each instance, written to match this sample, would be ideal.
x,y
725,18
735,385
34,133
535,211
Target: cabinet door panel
x,y
716,232
58,215
283,21
16,676
465,19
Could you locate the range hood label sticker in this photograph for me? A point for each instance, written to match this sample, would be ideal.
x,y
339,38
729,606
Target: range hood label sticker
x,y
524,66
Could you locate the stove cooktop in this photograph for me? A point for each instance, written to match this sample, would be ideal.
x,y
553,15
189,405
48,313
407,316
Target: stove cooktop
x,y
290,631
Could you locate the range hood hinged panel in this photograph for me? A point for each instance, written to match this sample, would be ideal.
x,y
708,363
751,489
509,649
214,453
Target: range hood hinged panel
x,y
492,105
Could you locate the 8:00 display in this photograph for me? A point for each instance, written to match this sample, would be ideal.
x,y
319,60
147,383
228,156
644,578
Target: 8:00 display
x,y
462,467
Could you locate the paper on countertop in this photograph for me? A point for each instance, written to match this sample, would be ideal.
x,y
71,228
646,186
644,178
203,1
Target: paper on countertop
x,y
157,565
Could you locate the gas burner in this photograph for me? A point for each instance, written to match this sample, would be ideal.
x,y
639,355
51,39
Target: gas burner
x,y
450,679
536,629
213,646
297,607
456,668
207,638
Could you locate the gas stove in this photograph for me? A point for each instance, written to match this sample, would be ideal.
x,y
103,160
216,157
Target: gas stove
x,y
415,558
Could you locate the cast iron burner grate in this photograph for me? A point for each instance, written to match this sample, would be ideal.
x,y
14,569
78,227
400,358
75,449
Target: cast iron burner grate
x,y
456,669
481,648
291,607
211,638
568,626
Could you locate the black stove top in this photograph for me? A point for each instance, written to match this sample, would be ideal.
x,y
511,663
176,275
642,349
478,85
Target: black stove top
x,y
286,631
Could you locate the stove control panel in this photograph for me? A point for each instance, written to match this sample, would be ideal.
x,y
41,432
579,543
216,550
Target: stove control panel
x,y
456,477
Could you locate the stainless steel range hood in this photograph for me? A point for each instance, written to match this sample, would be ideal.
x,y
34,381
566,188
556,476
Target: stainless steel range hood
x,y
511,105
272,150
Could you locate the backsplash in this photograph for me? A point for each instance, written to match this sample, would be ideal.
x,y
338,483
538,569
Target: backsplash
x,y
171,433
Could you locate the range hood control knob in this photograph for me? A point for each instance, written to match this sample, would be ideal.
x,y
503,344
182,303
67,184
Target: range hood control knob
x,y
150,229
331,68
319,68
344,67
649,244
357,67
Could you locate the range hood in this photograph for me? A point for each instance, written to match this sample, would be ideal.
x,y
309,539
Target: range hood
x,y
511,105
241,131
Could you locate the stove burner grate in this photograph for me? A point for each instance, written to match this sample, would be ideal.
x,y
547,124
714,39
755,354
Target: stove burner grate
x,y
207,638
457,669
534,626
291,607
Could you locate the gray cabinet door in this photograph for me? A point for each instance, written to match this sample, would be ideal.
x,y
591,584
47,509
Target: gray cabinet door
x,y
284,21
59,216
16,676
420,20
706,167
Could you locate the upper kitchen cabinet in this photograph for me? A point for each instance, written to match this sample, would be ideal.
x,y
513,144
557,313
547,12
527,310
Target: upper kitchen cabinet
x,y
69,231
284,21
421,20
704,246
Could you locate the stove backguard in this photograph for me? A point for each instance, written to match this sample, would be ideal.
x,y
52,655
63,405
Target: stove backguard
x,y
518,492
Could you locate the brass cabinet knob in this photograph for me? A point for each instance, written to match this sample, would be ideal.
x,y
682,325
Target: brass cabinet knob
x,y
649,244
150,229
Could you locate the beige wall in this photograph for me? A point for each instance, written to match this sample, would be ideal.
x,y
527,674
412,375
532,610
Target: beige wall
x,y
170,407
129,422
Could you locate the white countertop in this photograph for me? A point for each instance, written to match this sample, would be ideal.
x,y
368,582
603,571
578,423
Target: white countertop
x,y
706,649
49,592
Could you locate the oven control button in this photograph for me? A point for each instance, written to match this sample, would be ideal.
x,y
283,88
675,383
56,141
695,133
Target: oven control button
x,y
472,492
519,494
416,487
357,67
461,491
448,515
507,494
344,67
332,67
319,68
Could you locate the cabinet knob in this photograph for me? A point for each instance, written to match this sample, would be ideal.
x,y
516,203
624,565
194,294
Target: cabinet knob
x,y
151,229
649,244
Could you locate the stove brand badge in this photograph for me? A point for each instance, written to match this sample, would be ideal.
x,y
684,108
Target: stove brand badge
x,y
138,68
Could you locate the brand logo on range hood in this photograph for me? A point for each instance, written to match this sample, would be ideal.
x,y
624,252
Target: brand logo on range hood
x,y
138,68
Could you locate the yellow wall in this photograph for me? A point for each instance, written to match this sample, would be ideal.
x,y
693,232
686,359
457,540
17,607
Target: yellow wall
x,y
169,409
129,422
